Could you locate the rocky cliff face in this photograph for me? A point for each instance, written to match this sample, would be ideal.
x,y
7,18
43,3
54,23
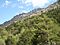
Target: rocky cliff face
x,y
35,12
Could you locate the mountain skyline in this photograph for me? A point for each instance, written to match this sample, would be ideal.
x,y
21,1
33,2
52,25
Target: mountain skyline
x,y
9,8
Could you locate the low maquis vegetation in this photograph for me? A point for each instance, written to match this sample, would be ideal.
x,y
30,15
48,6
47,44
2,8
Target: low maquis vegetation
x,y
41,29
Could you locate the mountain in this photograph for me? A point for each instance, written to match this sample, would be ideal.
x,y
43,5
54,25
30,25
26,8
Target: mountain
x,y
19,17
38,27
23,15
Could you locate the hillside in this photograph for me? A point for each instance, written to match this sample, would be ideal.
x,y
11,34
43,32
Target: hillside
x,y
38,27
31,13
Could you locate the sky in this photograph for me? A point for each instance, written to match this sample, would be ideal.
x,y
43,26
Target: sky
x,y
11,8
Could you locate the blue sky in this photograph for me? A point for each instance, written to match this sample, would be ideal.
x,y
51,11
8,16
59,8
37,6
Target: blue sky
x,y
10,8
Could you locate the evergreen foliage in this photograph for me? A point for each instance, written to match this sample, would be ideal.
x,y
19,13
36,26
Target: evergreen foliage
x,y
41,29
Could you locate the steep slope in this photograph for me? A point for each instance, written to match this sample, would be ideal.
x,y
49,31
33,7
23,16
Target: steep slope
x,y
23,15
19,17
42,27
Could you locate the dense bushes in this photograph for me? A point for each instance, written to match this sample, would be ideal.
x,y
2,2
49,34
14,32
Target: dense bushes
x,y
41,29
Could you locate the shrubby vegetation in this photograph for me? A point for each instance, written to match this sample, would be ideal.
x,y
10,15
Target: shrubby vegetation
x,y
41,29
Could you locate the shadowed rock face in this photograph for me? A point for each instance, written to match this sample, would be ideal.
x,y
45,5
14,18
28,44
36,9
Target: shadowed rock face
x,y
35,11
